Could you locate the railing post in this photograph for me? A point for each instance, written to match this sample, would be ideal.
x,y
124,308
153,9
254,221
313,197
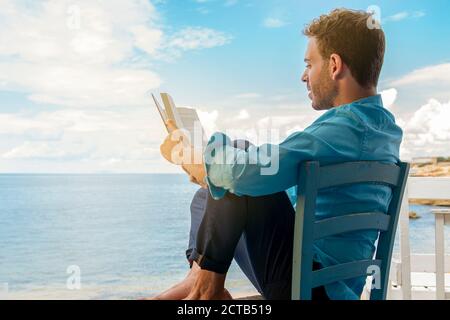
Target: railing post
x,y
405,251
439,216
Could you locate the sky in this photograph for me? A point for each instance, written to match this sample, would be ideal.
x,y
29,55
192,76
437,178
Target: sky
x,y
75,76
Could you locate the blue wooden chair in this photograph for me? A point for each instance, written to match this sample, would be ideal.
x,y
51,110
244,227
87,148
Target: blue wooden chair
x,y
313,177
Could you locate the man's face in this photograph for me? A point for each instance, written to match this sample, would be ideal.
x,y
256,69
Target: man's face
x,y
322,89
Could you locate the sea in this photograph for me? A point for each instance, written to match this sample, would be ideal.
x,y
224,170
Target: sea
x,y
111,236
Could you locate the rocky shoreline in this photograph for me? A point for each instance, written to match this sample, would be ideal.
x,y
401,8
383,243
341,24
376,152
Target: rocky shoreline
x,y
436,169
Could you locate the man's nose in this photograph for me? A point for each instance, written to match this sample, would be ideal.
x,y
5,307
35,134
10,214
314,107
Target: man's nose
x,y
304,77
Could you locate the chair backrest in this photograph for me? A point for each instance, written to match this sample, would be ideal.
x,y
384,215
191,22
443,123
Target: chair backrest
x,y
312,178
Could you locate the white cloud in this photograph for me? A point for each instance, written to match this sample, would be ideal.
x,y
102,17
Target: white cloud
x,y
84,57
43,32
243,115
198,38
84,137
78,67
13,124
257,120
274,23
147,39
419,86
389,96
84,54
248,95
429,75
46,151
427,132
398,16
80,85
208,120
404,15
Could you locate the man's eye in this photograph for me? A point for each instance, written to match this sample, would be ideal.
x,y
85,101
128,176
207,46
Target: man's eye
x,y
308,66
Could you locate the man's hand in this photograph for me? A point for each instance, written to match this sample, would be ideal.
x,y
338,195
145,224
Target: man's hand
x,y
177,150
172,148
197,173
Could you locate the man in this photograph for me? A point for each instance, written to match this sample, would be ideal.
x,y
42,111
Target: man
x,y
243,214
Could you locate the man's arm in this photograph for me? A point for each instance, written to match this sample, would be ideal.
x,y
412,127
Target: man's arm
x,y
272,168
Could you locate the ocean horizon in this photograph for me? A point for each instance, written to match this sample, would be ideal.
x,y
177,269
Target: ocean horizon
x,y
125,233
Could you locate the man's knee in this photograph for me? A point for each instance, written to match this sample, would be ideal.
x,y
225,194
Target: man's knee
x,y
203,199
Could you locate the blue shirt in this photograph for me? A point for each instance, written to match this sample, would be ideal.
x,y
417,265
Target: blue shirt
x,y
361,130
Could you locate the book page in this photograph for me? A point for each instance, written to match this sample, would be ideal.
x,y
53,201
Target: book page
x,y
192,124
171,110
185,118
161,110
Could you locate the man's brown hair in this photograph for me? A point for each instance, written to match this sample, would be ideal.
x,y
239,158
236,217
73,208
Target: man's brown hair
x,y
347,33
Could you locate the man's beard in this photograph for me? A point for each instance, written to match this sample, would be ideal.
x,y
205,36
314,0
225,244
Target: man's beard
x,y
324,91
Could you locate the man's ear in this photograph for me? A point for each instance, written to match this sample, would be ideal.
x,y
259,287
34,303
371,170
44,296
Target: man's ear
x,y
336,66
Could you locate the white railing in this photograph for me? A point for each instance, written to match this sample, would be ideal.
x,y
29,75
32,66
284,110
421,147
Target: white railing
x,y
434,188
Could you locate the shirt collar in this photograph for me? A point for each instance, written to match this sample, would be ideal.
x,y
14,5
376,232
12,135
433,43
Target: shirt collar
x,y
372,100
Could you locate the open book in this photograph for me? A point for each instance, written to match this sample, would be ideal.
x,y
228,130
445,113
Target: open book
x,y
185,118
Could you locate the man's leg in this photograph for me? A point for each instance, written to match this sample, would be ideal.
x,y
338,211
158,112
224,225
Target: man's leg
x,y
266,227
241,256
256,231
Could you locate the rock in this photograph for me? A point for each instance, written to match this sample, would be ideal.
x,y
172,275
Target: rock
x,y
413,215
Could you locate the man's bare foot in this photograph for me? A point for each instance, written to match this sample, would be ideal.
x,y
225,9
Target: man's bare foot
x,y
224,295
180,290
209,286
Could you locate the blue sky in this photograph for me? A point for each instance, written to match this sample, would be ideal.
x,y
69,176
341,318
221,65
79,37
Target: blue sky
x,y
74,75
